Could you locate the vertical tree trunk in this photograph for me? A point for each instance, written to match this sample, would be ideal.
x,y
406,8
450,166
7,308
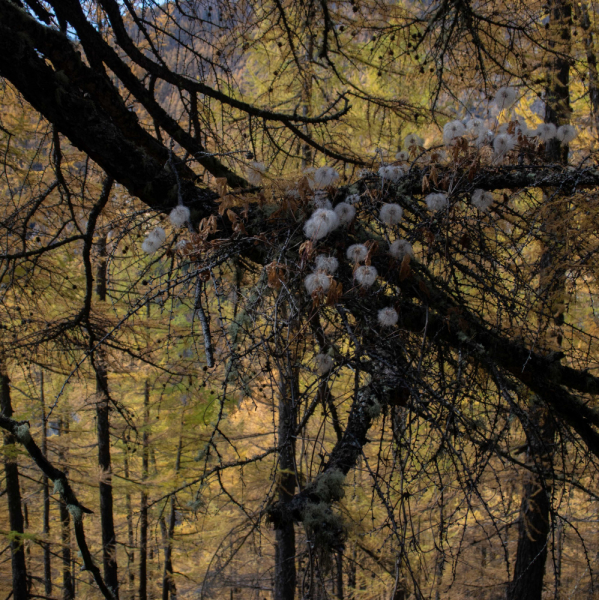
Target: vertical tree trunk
x,y
106,501
13,494
46,496
168,584
339,561
285,575
534,524
68,584
130,536
143,509
109,559
589,46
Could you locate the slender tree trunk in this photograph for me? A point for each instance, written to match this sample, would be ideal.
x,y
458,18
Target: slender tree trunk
x,y
168,584
339,561
106,500
68,582
109,559
143,509
589,46
13,494
46,496
285,574
130,536
534,524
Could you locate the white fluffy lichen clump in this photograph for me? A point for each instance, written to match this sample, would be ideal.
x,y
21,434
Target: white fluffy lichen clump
x,y
154,240
317,282
321,223
566,133
357,253
345,212
413,141
391,214
323,364
328,264
324,177
353,199
399,248
254,172
505,97
546,131
366,276
481,199
503,144
402,155
452,131
391,173
436,201
179,216
388,317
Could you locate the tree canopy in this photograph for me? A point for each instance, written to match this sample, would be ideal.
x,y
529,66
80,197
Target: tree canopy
x,y
298,299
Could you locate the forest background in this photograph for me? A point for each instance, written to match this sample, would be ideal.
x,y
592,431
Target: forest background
x,y
208,392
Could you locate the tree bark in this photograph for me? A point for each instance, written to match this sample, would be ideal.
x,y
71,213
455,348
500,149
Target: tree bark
x,y
143,509
13,493
130,536
68,582
285,571
46,496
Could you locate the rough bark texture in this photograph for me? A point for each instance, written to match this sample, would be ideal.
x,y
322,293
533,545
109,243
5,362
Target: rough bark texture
x,y
68,585
285,571
13,494
143,509
46,496
103,431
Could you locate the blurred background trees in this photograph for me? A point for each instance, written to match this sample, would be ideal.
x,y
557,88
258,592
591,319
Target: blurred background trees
x,y
238,429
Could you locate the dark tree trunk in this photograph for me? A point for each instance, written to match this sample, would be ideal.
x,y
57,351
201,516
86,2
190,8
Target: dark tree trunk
x,y
13,494
103,428
130,536
534,523
143,509
106,501
168,584
46,496
68,582
285,573
339,561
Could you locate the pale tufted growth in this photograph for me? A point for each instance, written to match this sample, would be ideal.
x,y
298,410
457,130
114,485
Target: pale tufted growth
x,y
412,140
399,248
402,155
321,200
353,199
388,317
391,173
476,126
391,214
482,200
566,133
345,212
179,216
503,144
254,172
323,364
324,177
317,282
154,240
366,276
357,253
436,201
505,97
546,131
328,264
321,223
452,131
